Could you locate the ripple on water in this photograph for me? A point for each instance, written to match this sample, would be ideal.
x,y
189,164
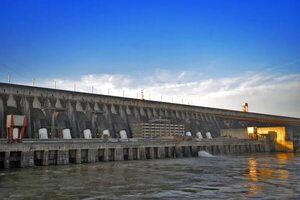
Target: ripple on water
x,y
261,176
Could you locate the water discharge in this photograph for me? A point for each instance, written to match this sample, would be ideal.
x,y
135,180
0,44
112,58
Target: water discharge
x,y
204,154
254,176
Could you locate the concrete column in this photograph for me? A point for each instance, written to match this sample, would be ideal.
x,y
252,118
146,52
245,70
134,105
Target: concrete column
x,y
212,149
27,159
78,156
161,152
6,160
226,149
259,147
243,148
256,148
45,158
173,152
169,153
25,107
232,149
178,150
151,152
62,157
267,147
240,149
188,151
156,152
119,154
229,148
221,149
141,153
217,149
92,155
237,149
105,154
194,151
250,148
130,154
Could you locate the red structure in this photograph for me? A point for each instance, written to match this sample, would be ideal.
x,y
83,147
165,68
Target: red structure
x,y
15,128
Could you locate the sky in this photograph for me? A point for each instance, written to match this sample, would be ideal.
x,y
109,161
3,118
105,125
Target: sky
x,y
211,53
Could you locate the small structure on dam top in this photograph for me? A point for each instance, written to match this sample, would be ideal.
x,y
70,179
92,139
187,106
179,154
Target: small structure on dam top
x,y
63,126
157,128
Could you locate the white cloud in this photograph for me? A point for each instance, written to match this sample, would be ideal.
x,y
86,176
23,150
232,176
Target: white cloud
x,y
265,92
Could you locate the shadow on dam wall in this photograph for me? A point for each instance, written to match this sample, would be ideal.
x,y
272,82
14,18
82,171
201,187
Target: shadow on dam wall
x,y
59,109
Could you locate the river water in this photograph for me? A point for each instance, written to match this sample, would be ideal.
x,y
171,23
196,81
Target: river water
x,y
254,176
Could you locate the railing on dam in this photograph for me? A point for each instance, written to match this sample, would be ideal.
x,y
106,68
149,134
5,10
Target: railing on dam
x,y
130,140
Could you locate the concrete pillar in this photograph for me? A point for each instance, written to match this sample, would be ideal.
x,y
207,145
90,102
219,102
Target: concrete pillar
x,y
105,155
188,151
25,107
264,148
267,147
220,149
227,150
243,148
62,157
27,159
237,148
151,152
240,149
6,159
45,158
119,154
78,156
173,152
257,147
92,155
232,149
229,147
194,151
217,149
170,155
161,152
130,154
141,153
212,149
178,150
2,120
209,149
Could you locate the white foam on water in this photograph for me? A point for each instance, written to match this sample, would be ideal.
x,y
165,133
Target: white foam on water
x,y
204,154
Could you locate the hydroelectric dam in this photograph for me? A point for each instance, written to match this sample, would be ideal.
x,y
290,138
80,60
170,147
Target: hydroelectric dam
x,y
43,126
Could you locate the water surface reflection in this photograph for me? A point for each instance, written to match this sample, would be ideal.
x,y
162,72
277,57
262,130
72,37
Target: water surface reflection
x,y
272,176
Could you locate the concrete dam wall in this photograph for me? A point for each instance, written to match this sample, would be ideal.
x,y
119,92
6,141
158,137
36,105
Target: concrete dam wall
x,y
56,110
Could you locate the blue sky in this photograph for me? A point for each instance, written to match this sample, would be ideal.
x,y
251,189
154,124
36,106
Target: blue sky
x,y
201,39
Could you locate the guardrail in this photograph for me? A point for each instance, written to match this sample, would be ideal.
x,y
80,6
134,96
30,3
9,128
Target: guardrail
x,y
130,140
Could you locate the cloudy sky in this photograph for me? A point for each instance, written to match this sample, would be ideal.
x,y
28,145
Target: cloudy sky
x,y
207,53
